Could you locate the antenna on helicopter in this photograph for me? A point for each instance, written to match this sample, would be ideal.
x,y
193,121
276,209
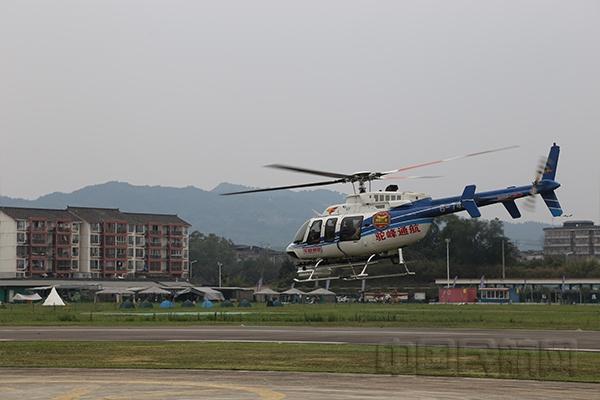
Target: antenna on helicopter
x,y
361,178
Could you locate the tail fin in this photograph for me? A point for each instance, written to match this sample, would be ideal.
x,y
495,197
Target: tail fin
x,y
551,163
468,201
552,202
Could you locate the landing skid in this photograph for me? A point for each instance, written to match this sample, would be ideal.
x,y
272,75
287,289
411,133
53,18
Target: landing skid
x,y
316,272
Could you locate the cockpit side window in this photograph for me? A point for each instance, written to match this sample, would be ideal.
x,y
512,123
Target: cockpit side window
x,y
314,234
350,228
300,234
330,229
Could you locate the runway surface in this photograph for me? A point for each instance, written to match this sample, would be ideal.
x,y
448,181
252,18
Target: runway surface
x,y
74,384
467,338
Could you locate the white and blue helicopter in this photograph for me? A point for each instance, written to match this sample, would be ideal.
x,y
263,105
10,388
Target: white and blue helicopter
x,y
369,227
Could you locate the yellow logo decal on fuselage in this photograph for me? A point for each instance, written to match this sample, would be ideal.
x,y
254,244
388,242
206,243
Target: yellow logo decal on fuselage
x,y
381,220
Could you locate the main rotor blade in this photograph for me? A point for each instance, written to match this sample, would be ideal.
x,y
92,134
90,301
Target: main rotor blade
x,y
403,177
303,185
425,164
309,171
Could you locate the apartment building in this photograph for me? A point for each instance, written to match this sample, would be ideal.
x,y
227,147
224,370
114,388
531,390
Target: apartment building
x,y
38,242
82,242
575,239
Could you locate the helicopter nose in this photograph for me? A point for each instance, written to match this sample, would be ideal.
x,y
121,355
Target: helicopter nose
x,y
290,250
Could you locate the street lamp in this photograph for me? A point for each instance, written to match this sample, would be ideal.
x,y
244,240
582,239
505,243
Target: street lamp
x,y
448,262
567,254
192,267
220,265
503,262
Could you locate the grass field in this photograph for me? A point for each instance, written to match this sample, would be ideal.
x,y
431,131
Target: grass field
x,y
384,315
516,364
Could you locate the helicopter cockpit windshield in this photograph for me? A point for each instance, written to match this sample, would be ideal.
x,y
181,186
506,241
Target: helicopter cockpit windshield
x,y
299,238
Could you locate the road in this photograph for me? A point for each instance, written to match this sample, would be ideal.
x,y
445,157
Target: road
x,y
74,384
472,338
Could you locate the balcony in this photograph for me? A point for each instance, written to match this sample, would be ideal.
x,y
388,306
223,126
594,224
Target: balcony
x,y
62,240
63,266
175,267
63,228
63,255
176,243
37,227
38,265
39,241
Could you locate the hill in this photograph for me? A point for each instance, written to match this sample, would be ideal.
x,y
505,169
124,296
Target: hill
x,y
264,219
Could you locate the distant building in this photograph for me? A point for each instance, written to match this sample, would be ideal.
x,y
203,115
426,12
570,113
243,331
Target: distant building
x,y
82,242
576,239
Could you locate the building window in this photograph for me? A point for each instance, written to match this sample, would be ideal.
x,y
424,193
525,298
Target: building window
x,y
21,237
154,253
75,239
21,225
22,251
75,228
139,241
130,252
75,251
95,239
94,251
139,253
94,264
176,253
155,266
130,240
95,227
131,228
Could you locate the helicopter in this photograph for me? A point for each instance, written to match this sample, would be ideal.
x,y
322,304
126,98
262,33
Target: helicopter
x,y
371,226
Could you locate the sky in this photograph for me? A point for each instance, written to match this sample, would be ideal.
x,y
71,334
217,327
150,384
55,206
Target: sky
x,y
179,93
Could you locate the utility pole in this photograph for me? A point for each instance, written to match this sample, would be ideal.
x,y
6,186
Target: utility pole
x,y
448,262
220,265
503,262
192,267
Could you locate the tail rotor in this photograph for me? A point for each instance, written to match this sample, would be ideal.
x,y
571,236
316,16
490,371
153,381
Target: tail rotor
x,y
531,200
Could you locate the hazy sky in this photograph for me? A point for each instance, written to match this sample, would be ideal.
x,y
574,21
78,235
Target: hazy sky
x,y
195,93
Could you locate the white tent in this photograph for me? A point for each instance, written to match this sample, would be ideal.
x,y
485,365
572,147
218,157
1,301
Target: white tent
x,y
206,292
321,292
53,299
265,294
293,291
26,297
154,290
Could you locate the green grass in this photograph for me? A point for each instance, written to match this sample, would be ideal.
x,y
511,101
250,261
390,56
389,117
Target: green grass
x,y
516,364
383,315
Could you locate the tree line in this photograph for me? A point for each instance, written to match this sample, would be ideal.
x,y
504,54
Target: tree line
x,y
475,249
